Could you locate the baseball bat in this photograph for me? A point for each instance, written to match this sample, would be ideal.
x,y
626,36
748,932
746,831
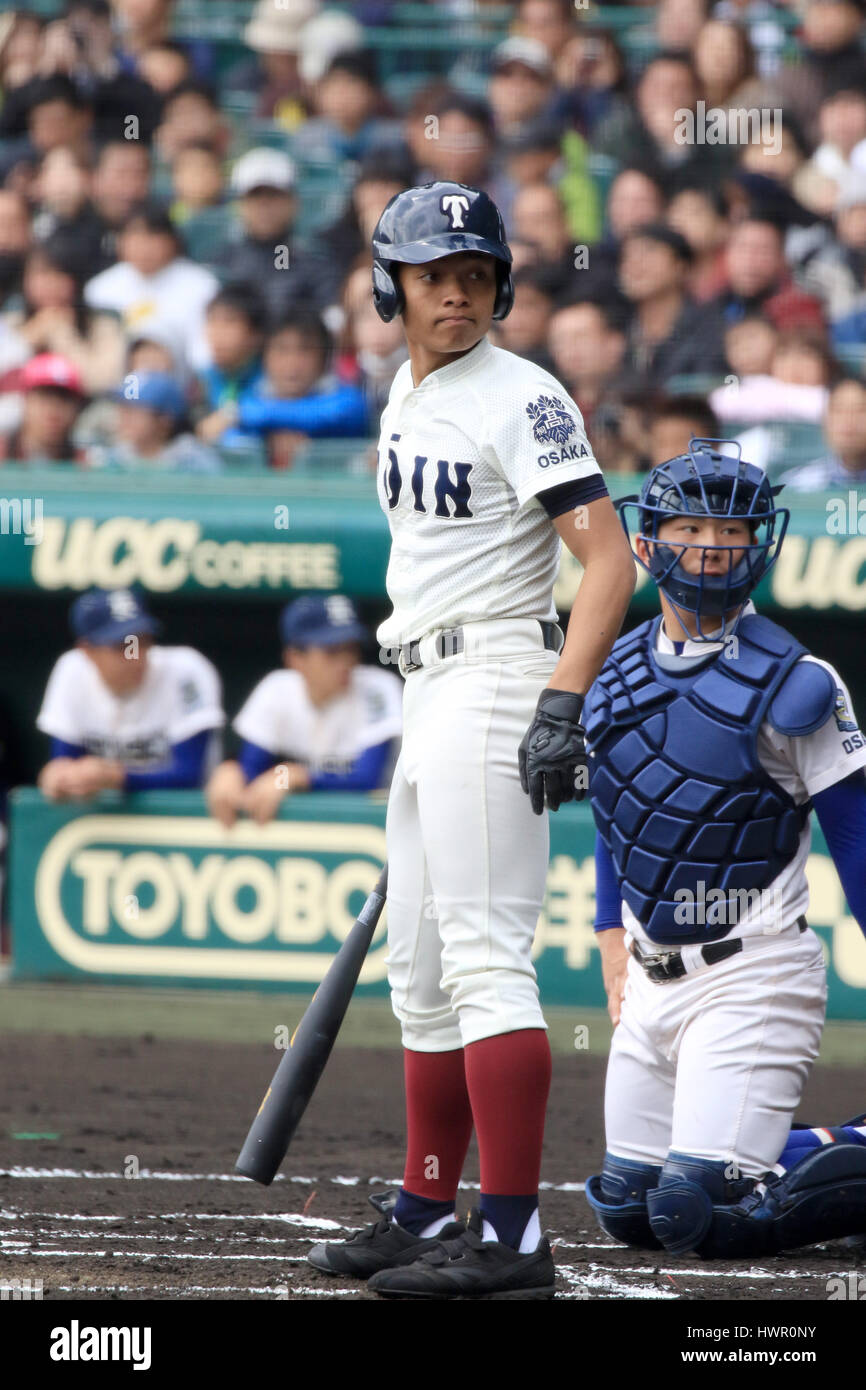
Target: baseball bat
x,y
297,1076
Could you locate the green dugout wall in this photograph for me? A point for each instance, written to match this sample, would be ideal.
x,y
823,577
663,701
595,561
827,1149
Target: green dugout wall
x,y
150,889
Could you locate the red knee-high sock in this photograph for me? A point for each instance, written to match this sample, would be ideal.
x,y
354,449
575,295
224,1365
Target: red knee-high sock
x,y
438,1121
508,1079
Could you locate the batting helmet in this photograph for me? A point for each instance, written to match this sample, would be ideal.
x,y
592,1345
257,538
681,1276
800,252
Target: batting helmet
x,y
706,482
430,221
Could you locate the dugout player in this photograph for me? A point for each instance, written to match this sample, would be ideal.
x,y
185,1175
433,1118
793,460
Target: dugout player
x,y
712,734
483,467
124,713
325,723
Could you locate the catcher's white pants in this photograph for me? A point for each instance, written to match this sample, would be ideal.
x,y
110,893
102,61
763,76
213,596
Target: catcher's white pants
x,y
467,858
714,1064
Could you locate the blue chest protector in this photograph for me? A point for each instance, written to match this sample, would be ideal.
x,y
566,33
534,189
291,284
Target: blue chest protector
x,y
678,793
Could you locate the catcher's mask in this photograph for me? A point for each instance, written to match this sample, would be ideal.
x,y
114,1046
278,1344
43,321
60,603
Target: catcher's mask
x,y
707,482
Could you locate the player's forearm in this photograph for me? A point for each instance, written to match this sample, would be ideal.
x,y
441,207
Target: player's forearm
x,y
596,618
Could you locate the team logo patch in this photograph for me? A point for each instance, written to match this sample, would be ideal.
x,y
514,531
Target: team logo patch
x,y
843,716
551,422
454,205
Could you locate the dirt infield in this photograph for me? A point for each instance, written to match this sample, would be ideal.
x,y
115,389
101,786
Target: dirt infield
x,y
187,1227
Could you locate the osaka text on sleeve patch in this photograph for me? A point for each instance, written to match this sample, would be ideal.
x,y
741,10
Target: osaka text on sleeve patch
x,y
553,424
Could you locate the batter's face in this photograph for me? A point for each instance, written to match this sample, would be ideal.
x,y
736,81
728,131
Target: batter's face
x,y
449,302
327,671
122,666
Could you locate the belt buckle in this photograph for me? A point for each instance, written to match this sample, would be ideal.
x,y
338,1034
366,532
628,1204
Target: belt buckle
x,y
658,967
405,661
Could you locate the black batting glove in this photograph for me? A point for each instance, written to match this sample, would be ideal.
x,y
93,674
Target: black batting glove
x,y
552,756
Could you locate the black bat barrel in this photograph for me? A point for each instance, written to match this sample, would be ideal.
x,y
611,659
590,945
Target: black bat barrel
x,y
298,1074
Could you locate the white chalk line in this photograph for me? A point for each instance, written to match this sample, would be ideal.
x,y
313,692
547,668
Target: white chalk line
x,y
159,1175
148,1255
288,1218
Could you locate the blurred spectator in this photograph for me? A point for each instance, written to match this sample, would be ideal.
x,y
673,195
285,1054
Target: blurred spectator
x,y
591,76
459,146
724,60
142,23
795,387
323,723
153,282
299,398
322,38
20,46
526,329
371,351
381,177
619,432
669,334
533,155
164,65
674,421
678,23
758,279
652,131
538,219
125,714
196,184
121,182
749,346
837,271
701,216
271,75
845,433
588,346
263,251
57,114
235,326
842,151
54,318
62,191
191,115
15,235
347,120
152,430
830,35
52,396
551,22
634,200
521,84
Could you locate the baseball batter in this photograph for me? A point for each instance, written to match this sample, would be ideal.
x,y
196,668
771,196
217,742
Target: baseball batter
x,y
712,734
483,467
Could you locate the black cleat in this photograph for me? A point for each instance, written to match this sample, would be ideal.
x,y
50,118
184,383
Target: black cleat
x,y
381,1246
465,1266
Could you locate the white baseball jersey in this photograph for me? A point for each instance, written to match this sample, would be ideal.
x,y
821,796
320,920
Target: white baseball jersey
x,y
280,716
179,697
803,766
462,458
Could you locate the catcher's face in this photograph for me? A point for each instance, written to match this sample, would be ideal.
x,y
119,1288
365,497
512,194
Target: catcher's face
x,y
449,302
695,538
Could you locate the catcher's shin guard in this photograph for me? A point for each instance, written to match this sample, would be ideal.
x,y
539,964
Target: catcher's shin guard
x,y
823,1197
618,1196
690,1191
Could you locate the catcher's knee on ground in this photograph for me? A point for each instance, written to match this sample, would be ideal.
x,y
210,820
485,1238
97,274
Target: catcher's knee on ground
x,y
618,1196
696,1207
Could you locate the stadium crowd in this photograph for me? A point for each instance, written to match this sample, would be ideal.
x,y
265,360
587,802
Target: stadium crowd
x,y
185,241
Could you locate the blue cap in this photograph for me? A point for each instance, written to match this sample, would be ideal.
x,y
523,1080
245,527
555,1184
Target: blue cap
x,y
154,390
105,617
315,621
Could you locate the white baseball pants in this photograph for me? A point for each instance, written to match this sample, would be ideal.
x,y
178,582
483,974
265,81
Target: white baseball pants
x,y
467,858
714,1064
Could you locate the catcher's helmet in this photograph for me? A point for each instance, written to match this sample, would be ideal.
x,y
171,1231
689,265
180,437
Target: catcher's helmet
x,y
706,482
433,220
